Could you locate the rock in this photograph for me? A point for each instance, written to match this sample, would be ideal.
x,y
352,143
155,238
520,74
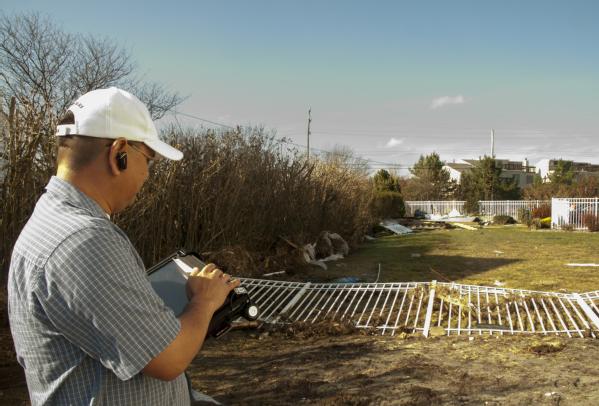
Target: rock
x,y
339,244
323,246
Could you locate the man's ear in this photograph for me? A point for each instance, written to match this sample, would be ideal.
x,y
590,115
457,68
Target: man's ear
x,y
117,147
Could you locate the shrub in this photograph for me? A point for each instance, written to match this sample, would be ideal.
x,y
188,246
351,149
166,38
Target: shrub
x,y
542,211
240,188
504,220
386,204
419,214
591,222
471,206
525,216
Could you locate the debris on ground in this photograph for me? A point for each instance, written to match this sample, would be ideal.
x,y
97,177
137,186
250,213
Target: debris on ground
x,y
347,279
323,246
547,347
275,273
322,328
451,217
340,246
498,283
319,264
464,226
584,265
395,227
328,247
333,257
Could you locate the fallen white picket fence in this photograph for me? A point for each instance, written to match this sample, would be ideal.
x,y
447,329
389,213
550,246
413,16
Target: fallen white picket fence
x,y
571,212
390,308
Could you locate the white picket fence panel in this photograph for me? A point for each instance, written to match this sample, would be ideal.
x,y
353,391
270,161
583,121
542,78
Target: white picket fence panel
x,y
511,208
572,211
440,207
390,308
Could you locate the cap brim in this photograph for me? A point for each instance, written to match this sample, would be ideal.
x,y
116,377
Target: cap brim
x,y
164,149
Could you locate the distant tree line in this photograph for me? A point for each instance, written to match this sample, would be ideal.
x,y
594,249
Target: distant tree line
x,y
430,181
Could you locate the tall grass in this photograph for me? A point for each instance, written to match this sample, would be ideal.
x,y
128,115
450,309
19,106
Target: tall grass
x,y
240,191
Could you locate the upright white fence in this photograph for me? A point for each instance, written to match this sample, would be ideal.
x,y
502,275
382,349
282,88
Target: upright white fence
x,y
508,207
571,212
440,207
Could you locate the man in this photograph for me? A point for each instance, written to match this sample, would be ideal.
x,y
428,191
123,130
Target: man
x,y
87,326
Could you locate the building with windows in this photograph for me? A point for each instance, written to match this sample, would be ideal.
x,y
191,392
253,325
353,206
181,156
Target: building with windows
x,y
546,167
519,171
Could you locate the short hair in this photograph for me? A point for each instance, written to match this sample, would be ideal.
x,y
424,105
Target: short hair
x,y
78,151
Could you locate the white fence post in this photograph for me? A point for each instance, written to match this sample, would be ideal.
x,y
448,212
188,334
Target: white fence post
x,y
429,309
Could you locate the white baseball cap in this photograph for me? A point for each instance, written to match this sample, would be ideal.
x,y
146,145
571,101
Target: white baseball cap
x,y
114,113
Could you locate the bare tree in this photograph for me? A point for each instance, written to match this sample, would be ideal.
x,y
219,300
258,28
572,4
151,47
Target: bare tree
x,y
42,65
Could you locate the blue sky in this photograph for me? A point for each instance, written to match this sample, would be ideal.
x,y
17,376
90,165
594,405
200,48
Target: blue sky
x,y
390,79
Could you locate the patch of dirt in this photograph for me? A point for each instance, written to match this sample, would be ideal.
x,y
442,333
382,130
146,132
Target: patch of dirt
x,y
250,367
336,365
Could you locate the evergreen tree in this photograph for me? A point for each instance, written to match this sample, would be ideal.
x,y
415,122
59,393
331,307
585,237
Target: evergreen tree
x,y
484,182
563,173
386,182
431,181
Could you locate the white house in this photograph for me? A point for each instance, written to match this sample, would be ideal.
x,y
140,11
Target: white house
x,y
546,167
520,171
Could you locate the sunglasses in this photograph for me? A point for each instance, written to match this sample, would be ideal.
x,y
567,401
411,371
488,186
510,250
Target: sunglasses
x,y
149,159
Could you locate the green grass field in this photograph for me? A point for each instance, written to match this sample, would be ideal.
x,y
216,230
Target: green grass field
x,y
513,255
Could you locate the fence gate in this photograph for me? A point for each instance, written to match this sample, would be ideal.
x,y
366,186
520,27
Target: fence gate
x,y
572,211
458,309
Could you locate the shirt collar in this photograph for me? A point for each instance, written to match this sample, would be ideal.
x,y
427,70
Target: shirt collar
x,y
75,197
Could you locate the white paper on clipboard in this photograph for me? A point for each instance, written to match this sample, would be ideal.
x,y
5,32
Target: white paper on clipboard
x,y
169,281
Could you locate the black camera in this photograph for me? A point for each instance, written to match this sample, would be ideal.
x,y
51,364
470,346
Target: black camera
x,y
169,279
237,304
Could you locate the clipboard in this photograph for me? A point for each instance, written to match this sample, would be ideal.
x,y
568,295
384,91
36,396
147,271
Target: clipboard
x,y
169,276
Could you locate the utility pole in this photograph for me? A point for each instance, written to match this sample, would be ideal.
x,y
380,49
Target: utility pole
x,y
492,143
309,121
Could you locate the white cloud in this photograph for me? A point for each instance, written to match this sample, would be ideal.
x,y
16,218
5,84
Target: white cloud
x,y
447,100
393,142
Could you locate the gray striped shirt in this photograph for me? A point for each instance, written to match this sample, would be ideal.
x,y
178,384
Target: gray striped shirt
x,y
84,318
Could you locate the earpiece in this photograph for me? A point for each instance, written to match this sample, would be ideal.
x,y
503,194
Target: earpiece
x,y
121,160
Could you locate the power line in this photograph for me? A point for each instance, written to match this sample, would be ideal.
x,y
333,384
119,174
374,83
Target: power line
x,y
378,164
285,141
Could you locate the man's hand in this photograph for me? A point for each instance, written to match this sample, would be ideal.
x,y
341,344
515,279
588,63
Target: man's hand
x,y
210,286
207,290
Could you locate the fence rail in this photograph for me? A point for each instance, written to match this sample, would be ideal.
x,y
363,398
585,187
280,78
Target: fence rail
x,y
440,207
571,212
389,308
486,207
508,207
